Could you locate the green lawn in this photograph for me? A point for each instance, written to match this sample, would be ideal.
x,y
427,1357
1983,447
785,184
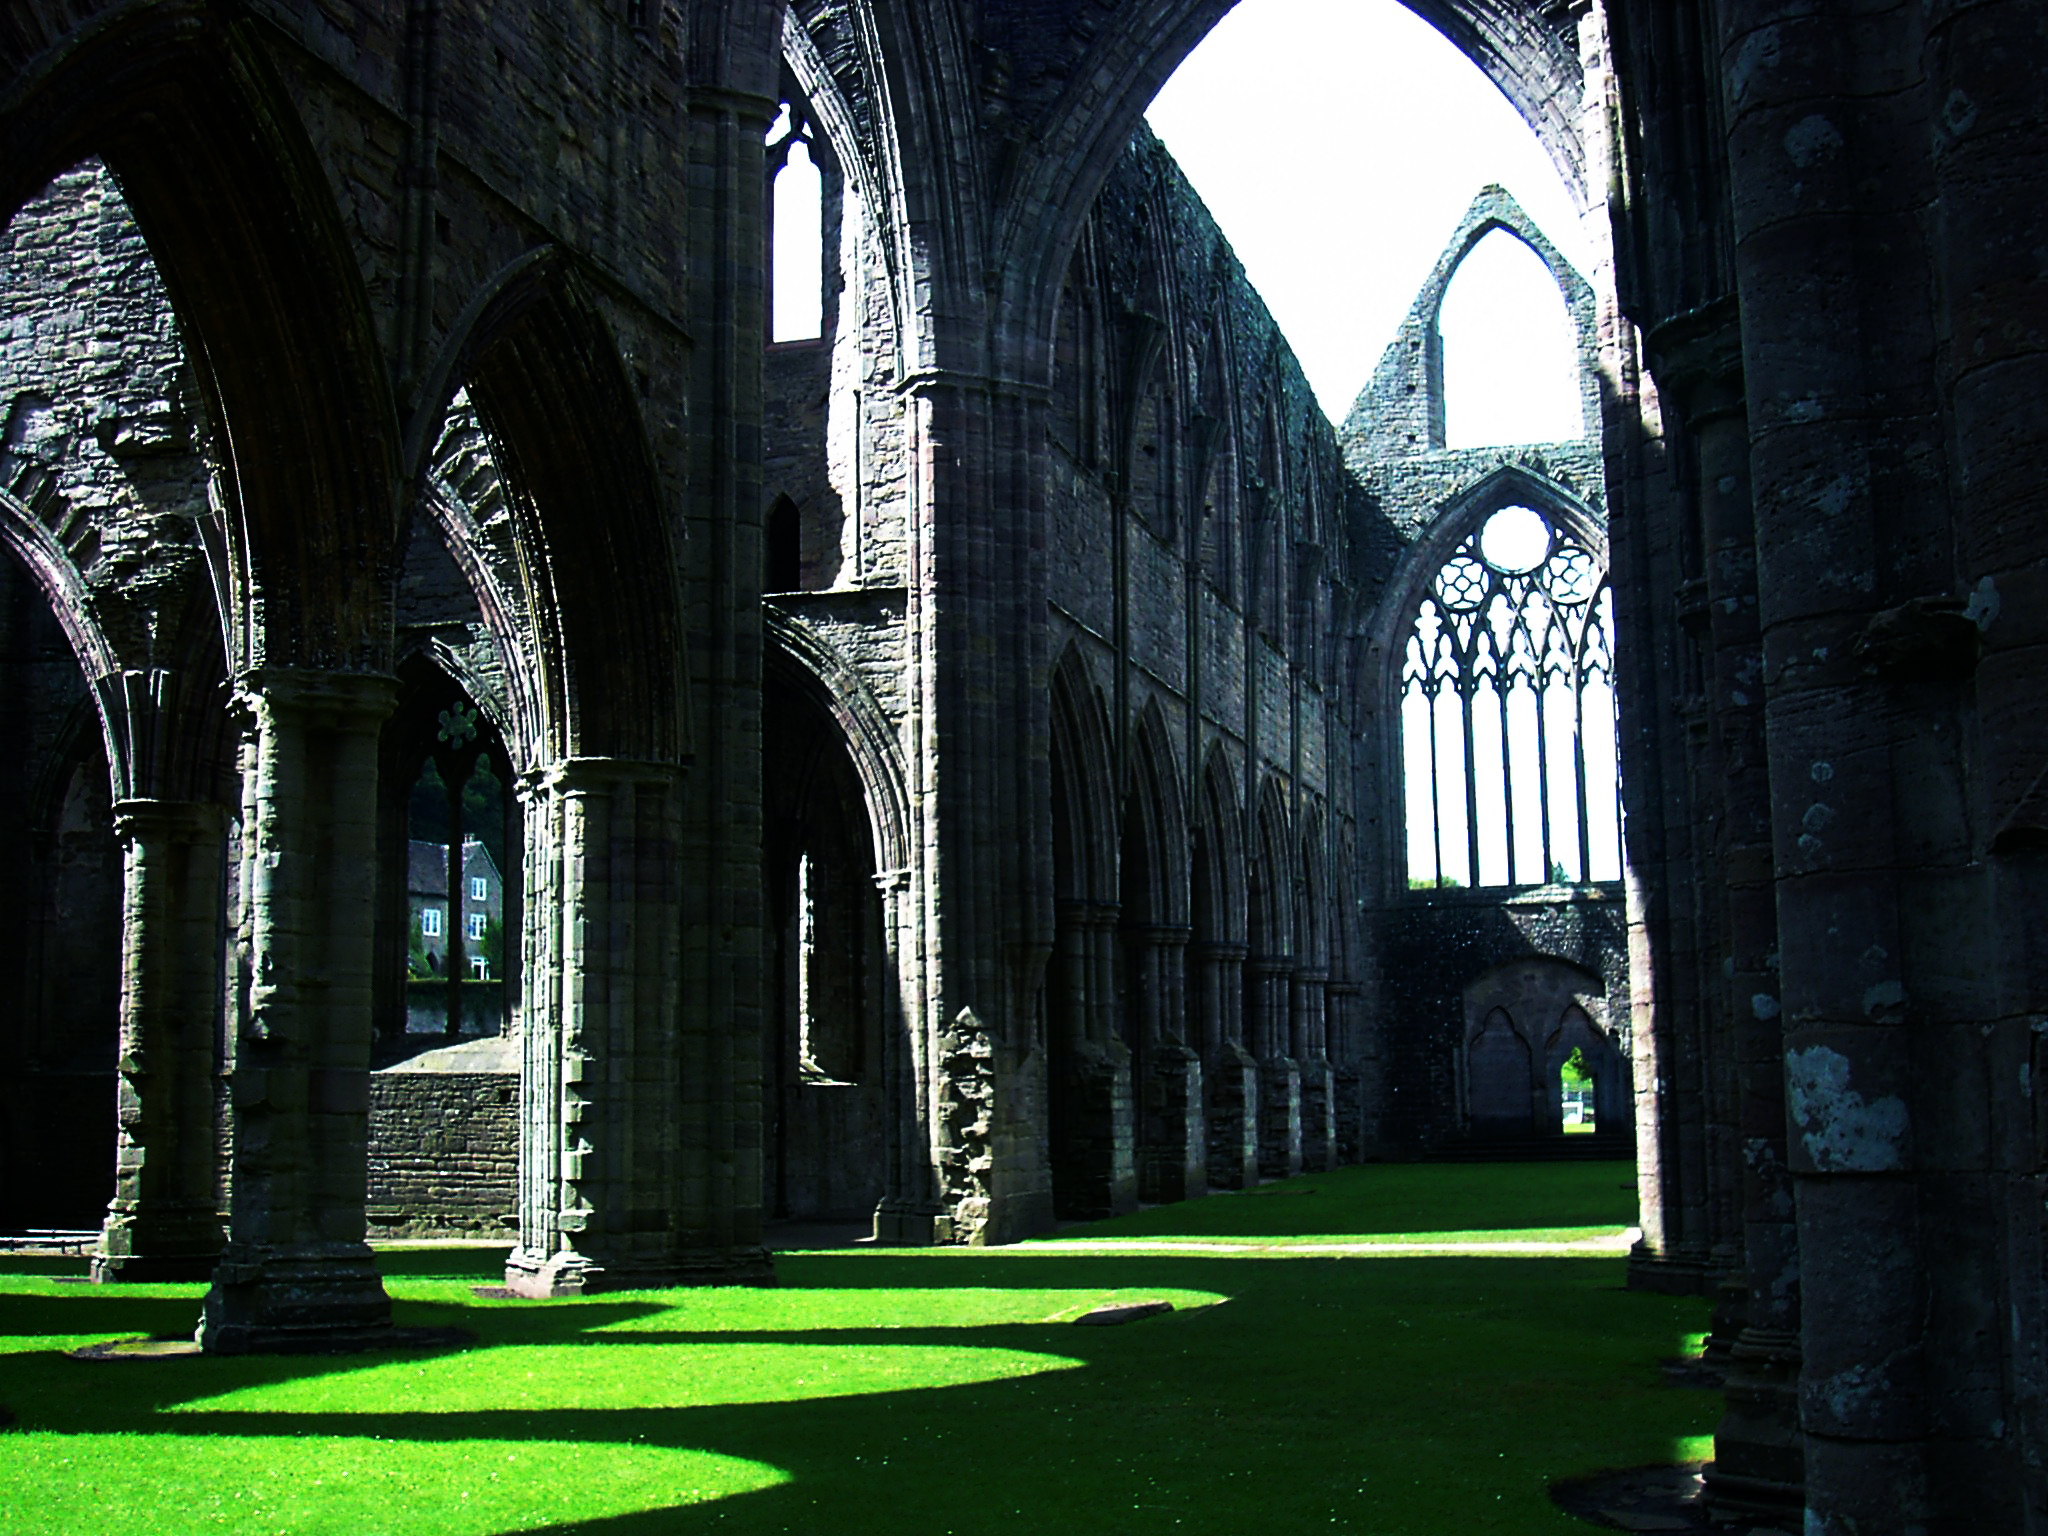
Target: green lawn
x,y
942,1391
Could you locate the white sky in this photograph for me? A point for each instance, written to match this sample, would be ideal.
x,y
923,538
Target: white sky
x,y
1338,143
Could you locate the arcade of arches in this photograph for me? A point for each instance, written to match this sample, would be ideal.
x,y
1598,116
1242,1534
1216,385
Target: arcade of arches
x,y
500,746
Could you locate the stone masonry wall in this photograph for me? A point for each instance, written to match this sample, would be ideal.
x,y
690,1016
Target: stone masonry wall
x,y
444,1154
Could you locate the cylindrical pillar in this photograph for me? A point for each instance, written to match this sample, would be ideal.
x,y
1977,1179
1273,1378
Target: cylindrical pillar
x,y
297,1273
164,1222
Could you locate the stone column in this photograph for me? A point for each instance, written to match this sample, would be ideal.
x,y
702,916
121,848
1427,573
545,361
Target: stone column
x,y
1887,949
296,1273
1347,1076
1095,1135
603,1198
908,1212
163,1222
1307,1003
1757,1457
1231,1071
1279,1072
1173,1155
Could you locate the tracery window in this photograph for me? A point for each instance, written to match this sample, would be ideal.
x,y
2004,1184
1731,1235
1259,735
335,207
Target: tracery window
x,y
1507,712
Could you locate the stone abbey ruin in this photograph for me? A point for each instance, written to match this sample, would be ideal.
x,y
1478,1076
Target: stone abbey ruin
x,y
499,747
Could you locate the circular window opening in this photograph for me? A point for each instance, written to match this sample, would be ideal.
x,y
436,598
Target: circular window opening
x,y
1515,540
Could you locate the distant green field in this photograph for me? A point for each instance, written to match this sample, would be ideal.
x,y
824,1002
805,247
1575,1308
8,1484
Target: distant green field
x,y
939,1391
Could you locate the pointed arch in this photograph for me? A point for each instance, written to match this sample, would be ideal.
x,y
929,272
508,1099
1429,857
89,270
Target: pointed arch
x,y
1312,921
803,661
1218,886
1153,794
596,557
1530,53
182,105
1430,734
1084,812
1401,411
1271,887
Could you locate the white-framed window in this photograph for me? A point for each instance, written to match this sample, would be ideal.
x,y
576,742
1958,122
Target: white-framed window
x,y
479,888
476,925
430,922
479,967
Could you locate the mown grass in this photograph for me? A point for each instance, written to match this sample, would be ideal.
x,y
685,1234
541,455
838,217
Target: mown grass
x,y
906,1391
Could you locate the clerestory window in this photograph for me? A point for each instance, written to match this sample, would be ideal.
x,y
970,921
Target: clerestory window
x,y
1507,713
796,295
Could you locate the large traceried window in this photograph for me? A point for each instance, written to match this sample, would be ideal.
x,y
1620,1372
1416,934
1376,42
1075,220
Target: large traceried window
x,y
1507,713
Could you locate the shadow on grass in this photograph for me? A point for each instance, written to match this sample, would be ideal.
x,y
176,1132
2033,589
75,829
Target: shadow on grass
x,y
1406,1394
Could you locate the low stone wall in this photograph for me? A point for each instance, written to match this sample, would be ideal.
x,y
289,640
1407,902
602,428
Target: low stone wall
x,y
444,1146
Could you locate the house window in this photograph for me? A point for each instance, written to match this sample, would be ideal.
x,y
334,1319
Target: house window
x,y
430,922
475,929
1507,713
479,888
480,968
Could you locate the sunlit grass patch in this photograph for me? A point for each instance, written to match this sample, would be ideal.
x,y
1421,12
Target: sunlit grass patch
x,y
899,1391
595,1376
115,1485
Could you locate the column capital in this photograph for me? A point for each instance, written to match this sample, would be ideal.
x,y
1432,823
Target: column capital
x,y
571,776
176,821
1165,935
1697,360
344,698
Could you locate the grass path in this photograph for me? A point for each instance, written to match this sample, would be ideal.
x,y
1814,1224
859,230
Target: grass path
x,y
1314,1377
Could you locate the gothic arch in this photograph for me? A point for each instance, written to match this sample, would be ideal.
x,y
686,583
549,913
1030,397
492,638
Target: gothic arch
x,y
185,110
1271,888
1531,55
1219,878
1152,794
1401,411
1312,920
1084,821
165,728
588,516
803,661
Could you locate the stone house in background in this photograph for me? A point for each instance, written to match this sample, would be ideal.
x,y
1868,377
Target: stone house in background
x,y
480,912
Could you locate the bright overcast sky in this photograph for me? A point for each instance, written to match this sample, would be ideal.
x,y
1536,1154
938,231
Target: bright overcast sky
x,y
1338,143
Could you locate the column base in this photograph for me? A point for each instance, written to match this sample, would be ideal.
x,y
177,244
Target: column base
x,y
1667,1274
1279,1118
167,1247
1759,1467
906,1224
1094,1152
317,1299
1233,1093
1318,1116
1173,1153
1347,1112
569,1274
